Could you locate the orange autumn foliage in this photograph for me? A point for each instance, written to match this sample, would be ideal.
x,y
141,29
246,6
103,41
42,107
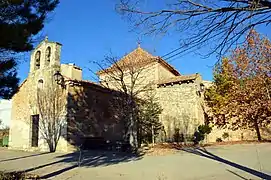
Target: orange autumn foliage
x,y
241,95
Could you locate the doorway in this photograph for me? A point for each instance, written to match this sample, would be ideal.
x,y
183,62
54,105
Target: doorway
x,y
35,130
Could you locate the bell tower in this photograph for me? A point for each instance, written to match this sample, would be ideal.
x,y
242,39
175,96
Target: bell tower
x,y
45,56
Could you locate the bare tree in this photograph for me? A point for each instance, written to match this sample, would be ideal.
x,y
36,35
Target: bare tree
x,y
219,24
50,103
129,77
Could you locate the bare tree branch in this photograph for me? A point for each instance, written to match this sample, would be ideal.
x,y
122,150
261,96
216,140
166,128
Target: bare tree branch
x,y
50,103
129,77
214,24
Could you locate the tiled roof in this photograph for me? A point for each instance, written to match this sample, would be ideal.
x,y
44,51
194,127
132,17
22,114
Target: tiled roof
x,y
177,79
94,85
85,82
139,58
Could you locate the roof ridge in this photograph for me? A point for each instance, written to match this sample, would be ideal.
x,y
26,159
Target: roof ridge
x,y
136,49
137,56
179,78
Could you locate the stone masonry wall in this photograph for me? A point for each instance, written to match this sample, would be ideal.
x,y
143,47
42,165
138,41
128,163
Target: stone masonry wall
x,y
148,76
145,76
181,110
19,135
91,114
24,105
237,135
24,102
163,73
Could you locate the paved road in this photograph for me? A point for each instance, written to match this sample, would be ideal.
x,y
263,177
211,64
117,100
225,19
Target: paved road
x,y
237,162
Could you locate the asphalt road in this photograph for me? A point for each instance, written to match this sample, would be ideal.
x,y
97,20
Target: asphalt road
x,y
237,162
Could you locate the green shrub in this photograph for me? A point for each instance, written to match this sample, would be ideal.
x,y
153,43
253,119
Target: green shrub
x,y
225,135
189,138
204,129
219,140
199,135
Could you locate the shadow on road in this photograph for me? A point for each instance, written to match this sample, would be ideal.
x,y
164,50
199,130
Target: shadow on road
x,y
204,153
236,174
86,159
22,157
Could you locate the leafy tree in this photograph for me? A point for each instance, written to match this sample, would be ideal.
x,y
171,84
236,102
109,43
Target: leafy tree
x,y
20,21
219,24
148,119
8,78
240,97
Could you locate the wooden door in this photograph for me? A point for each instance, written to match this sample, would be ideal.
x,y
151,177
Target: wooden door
x,y
35,130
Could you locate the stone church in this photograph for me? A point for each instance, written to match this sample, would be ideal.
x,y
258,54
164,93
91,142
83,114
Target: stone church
x,y
86,108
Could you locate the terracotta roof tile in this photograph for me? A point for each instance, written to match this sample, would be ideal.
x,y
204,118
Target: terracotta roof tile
x,y
178,79
139,58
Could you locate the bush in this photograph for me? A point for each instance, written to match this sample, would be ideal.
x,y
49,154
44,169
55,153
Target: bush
x,y
199,135
178,137
204,129
225,135
189,138
219,140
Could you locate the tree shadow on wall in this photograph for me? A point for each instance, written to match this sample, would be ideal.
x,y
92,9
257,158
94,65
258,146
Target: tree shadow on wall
x,y
204,153
85,159
178,129
91,115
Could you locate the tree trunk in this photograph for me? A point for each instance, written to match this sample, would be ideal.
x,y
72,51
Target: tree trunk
x,y
139,134
152,135
256,126
52,147
132,132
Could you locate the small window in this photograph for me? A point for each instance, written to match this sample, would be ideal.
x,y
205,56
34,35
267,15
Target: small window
x,y
48,55
40,84
37,60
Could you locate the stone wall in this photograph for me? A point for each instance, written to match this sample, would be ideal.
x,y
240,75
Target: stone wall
x,y
148,77
163,73
54,59
143,77
19,134
237,135
71,71
91,114
181,108
24,104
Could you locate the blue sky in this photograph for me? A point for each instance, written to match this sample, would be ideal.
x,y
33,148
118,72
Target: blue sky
x,y
91,29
